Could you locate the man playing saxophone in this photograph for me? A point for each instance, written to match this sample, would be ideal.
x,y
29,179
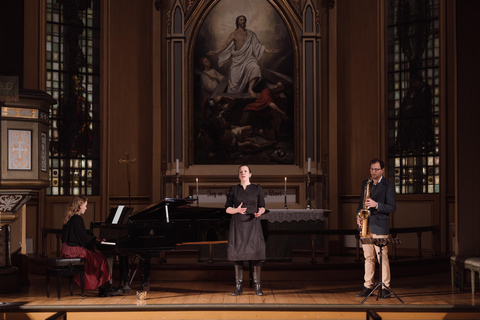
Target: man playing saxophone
x,y
378,195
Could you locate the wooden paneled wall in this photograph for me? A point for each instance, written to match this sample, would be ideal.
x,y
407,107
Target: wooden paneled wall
x,y
128,96
359,122
353,117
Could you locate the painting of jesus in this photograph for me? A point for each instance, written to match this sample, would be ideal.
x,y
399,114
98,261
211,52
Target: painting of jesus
x,y
243,92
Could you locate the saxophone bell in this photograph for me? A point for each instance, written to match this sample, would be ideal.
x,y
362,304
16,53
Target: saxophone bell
x,y
364,213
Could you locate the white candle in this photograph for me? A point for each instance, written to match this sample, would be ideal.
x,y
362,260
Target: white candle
x,y
197,186
178,170
309,164
285,185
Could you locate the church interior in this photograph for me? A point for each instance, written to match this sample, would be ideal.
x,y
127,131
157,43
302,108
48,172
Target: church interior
x,y
149,108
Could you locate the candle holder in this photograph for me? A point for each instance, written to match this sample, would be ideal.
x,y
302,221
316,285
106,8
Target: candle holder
x,y
309,200
177,185
285,194
196,184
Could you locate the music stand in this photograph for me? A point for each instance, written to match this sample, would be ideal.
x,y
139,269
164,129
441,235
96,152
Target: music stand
x,y
380,242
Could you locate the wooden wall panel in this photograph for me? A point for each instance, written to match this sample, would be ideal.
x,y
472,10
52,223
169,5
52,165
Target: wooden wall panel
x,y
358,100
414,214
34,45
468,144
58,206
358,114
349,209
130,96
449,242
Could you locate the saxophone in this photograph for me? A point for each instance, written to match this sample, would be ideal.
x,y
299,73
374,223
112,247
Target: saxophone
x,y
364,213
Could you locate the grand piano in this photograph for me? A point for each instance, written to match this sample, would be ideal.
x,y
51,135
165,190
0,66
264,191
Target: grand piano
x,y
157,228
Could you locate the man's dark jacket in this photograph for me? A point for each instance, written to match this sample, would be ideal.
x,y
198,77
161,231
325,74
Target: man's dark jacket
x,y
384,195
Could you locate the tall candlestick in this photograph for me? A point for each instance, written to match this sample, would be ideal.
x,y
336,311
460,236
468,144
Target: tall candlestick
x,y
177,185
309,206
285,194
309,164
197,190
177,175
285,185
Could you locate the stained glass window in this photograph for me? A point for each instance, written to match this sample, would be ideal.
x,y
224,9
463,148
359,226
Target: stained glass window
x,y
73,79
414,95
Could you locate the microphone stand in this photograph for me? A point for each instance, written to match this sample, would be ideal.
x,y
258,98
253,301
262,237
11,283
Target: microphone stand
x,y
380,242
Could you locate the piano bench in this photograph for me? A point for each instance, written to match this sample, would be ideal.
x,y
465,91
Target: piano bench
x,y
59,267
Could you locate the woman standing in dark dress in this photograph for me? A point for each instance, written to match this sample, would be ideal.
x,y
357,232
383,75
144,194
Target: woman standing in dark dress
x,y
246,202
78,243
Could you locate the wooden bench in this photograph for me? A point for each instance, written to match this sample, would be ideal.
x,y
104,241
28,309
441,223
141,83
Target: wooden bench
x,y
473,264
457,265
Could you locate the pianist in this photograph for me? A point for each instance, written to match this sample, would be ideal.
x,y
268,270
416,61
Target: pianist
x,y
78,243
246,202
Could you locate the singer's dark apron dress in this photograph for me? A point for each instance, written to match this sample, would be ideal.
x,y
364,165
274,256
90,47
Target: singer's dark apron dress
x,y
245,238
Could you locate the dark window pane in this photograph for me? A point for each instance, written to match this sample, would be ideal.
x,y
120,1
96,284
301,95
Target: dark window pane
x,y
73,75
413,95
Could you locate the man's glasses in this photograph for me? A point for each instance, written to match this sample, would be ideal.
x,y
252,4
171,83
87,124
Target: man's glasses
x,y
375,169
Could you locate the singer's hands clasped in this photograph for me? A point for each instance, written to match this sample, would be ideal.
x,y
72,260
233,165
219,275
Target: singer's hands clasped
x,y
241,210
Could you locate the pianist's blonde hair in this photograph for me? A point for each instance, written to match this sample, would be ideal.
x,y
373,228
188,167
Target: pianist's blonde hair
x,y
74,207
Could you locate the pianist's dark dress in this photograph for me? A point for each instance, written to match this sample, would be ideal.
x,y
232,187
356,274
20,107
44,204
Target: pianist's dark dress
x,y
76,243
245,238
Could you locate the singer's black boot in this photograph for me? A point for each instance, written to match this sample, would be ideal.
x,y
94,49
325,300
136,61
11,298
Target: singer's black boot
x,y
250,273
238,280
257,279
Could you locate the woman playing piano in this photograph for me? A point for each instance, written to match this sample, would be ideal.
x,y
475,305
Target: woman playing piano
x,y
246,202
78,243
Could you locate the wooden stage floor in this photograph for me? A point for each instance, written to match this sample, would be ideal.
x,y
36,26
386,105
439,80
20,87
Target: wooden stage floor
x,y
428,296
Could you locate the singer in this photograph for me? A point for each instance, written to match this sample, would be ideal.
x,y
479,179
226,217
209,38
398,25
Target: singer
x,y
246,202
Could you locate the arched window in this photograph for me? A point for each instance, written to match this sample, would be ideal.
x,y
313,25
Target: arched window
x,y
73,79
413,95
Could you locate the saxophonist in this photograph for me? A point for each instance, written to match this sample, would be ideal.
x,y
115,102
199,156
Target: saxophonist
x,y
381,203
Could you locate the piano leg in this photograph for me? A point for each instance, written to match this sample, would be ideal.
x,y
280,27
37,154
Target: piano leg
x,y
110,266
124,268
146,273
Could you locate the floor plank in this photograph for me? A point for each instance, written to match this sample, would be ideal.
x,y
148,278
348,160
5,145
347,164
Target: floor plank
x,y
424,290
